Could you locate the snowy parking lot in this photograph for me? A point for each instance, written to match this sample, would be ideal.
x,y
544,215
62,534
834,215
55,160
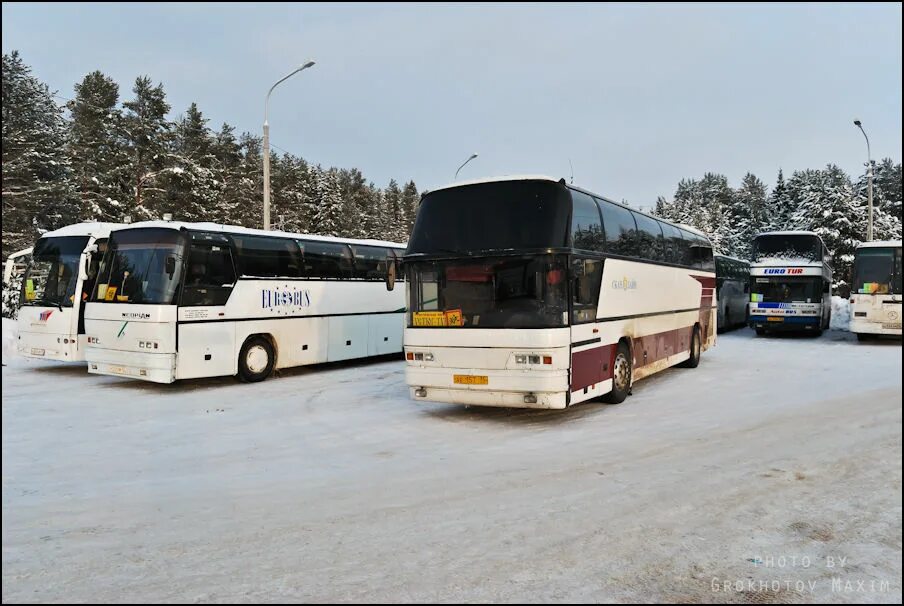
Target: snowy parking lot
x,y
770,473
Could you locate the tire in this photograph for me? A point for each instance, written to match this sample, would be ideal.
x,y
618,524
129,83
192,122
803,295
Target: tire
x,y
696,348
256,360
621,375
760,331
863,336
728,324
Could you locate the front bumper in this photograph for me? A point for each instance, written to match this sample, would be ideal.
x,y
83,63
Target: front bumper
x,y
786,322
49,346
506,388
158,368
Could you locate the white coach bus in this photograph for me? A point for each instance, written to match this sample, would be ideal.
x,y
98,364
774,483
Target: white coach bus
x,y
189,300
876,290
528,292
55,288
790,282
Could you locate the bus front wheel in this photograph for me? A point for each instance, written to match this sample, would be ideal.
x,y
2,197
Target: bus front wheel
x,y
256,360
621,375
696,347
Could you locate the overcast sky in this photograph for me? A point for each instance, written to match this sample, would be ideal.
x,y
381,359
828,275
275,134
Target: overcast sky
x,y
637,97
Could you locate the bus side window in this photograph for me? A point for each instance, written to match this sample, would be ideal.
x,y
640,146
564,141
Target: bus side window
x,y
586,275
210,276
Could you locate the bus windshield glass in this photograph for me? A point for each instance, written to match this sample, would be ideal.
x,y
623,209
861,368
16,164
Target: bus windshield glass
x,y
788,247
509,215
877,271
789,290
495,292
142,266
52,275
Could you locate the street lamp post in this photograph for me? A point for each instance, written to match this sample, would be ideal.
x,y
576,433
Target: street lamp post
x,y
267,143
869,184
463,165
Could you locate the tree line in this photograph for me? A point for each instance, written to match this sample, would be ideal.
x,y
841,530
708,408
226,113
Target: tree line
x,y
96,157
825,201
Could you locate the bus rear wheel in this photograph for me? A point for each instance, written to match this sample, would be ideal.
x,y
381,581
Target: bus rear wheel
x,y
696,347
621,375
256,360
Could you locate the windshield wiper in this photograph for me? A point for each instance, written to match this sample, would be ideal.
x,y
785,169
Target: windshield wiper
x,y
48,301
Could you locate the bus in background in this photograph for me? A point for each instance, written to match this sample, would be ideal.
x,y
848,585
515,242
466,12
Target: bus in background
x,y
55,287
190,300
790,282
528,292
733,291
876,290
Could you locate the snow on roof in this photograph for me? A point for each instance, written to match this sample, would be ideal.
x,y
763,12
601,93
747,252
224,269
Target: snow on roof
x,y
84,229
495,180
236,229
880,244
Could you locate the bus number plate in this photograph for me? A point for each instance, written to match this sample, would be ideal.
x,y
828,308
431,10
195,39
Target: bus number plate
x,y
775,319
37,352
119,370
891,325
471,379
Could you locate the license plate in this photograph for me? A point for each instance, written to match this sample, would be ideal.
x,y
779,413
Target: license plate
x,y
120,370
775,319
471,379
429,318
891,326
35,351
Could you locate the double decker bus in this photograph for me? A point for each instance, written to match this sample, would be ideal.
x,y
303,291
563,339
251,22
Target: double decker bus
x,y
55,289
790,282
732,291
189,300
529,292
876,290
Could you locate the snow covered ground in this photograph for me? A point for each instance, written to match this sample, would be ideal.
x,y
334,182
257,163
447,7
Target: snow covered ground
x,y
747,479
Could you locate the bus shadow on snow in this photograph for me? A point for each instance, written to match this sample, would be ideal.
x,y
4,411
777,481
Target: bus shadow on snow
x,y
190,385
516,416
67,369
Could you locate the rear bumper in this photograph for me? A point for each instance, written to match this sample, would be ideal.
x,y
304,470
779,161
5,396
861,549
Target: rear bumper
x,y
49,346
158,368
865,327
504,388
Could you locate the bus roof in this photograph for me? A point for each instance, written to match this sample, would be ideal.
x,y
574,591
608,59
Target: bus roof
x,y
880,244
570,186
236,229
732,258
83,229
788,233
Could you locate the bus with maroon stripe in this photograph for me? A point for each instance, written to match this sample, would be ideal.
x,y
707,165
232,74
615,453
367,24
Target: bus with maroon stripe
x,y
531,292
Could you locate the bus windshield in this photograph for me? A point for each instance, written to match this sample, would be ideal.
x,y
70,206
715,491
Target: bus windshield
x,y
52,275
789,247
877,271
509,215
789,290
142,266
495,292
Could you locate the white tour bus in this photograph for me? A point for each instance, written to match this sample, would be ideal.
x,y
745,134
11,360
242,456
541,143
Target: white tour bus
x,y
528,292
790,282
188,300
876,290
55,288
732,291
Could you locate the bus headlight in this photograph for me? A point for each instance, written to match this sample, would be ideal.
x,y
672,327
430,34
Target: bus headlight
x,y
533,359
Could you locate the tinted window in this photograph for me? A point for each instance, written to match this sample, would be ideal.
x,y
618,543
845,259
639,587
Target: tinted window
x,y
650,238
792,247
677,248
492,216
370,262
326,260
142,265
52,275
586,232
585,288
621,231
263,257
700,253
210,274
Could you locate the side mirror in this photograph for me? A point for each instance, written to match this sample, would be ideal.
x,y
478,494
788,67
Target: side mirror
x,y
390,273
83,266
170,267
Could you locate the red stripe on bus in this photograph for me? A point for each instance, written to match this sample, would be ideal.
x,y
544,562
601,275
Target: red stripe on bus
x,y
661,345
591,366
